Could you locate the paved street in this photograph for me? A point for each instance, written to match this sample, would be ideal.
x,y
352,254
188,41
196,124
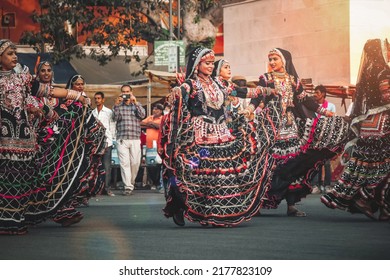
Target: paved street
x,y
120,228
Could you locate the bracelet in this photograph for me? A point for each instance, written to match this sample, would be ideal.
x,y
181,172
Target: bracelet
x,y
268,91
73,94
321,110
246,112
257,91
250,108
51,92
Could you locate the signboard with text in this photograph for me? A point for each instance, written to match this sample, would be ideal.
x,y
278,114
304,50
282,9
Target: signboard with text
x,y
168,53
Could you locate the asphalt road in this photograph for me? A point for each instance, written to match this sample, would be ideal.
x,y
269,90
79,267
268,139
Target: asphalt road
x,y
134,228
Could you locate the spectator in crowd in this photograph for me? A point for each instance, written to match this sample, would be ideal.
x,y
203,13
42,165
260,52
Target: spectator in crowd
x,y
105,116
319,185
128,116
152,126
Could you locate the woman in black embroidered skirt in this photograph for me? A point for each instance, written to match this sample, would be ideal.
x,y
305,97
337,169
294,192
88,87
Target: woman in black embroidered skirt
x,y
364,186
69,156
216,175
20,188
303,141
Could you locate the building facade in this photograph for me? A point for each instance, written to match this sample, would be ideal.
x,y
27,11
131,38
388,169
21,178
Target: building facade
x,y
325,37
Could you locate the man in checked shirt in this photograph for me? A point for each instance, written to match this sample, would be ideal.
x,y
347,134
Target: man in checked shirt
x,y
128,116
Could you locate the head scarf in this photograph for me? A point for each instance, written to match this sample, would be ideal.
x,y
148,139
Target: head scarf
x,y
286,59
195,57
373,69
72,80
40,65
217,67
4,44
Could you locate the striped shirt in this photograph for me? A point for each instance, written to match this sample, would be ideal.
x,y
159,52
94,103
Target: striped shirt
x,y
128,119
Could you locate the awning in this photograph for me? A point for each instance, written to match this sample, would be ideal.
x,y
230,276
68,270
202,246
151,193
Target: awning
x,y
162,77
115,72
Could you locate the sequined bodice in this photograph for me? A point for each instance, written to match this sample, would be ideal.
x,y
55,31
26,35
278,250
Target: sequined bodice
x,y
12,91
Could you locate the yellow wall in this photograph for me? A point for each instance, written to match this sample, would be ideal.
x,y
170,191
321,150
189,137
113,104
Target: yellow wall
x,y
369,19
316,32
325,37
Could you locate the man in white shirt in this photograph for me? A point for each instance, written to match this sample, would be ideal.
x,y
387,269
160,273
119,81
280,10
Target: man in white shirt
x,y
105,116
320,97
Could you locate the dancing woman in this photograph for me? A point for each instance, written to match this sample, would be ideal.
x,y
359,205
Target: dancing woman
x,y
90,183
238,95
223,72
303,141
216,176
364,186
66,156
18,139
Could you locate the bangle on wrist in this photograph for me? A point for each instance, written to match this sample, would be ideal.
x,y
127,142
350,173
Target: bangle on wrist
x,y
51,93
250,108
321,110
72,94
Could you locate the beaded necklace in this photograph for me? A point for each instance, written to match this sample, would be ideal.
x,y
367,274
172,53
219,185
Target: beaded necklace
x,y
283,87
214,96
5,72
12,90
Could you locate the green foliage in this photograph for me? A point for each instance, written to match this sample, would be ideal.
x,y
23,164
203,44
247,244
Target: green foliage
x,y
206,5
116,24
207,43
110,26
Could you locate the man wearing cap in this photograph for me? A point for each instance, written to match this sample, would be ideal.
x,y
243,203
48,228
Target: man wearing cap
x,y
128,116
